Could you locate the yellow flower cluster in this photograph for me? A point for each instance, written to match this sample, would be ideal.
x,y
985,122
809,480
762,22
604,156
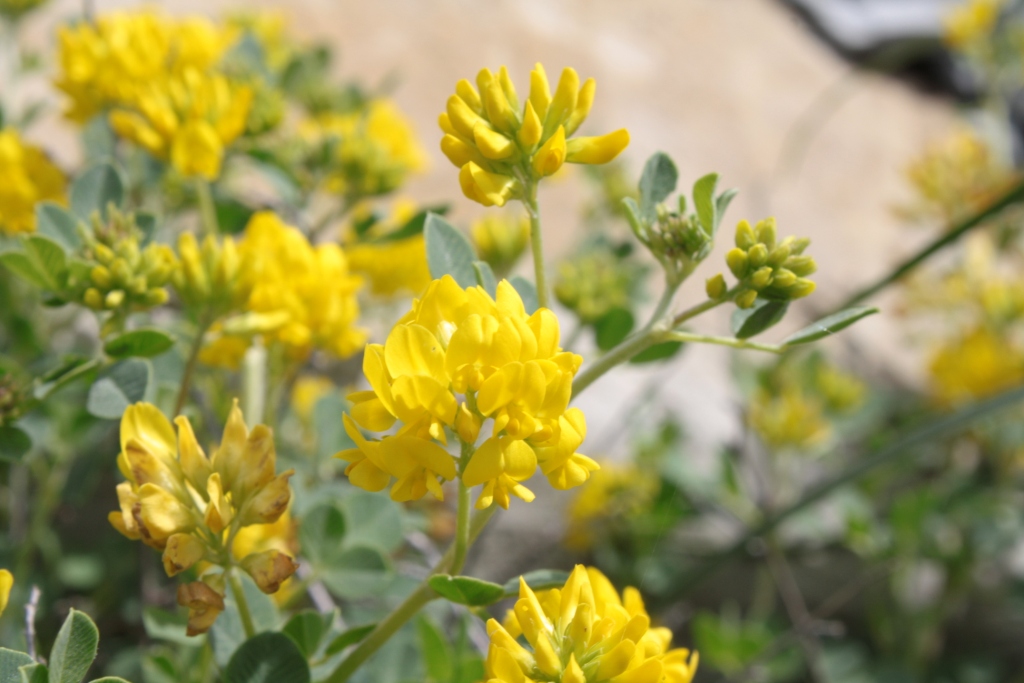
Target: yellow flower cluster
x,y
107,62
500,240
594,283
980,363
376,148
499,148
28,177
971,21
508,368
211,280
584,633
6,583
192,507
392,266
766,268
956,176
303,296
186,119
614,492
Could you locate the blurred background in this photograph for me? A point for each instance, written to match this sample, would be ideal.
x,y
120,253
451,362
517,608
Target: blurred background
x,y
870,127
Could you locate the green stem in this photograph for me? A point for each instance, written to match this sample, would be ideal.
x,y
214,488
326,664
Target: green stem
x,y
243,605
722,341
537,245
207,209
410,606
1012,196
190,368
935,430
254,382
702,307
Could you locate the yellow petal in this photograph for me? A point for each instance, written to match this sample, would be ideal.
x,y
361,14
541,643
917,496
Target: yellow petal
x,y
161,514
551,155
462,118
530,132
146,424
616,660
597,150
270,502
583,105
194,463
369,411
269,569
564,100
182,552
540,91
465,90
492,144
6,582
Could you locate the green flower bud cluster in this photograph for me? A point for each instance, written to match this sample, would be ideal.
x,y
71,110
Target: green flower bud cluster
x,y
596,282
116,273
678,237
765,267
268,107
11,398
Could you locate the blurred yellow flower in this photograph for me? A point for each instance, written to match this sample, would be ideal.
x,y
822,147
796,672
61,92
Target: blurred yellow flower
x,y
375,148
500,240
506,366
306,393
28,177
971,21
6,583
211,280
107,61
584,633
499,146
191,507
789,418
188,120
392,266
978,364
614,492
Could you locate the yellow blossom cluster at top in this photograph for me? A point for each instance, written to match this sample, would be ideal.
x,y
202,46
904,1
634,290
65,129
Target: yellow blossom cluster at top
x,y
303,297
191,507
376,148
971,21
29,177
458,358
500,147
584,632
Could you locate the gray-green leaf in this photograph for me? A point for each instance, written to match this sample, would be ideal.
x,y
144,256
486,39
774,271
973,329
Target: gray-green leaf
x,y
527,292
448,251
747,322
143,343
14,443
74,649
306,628
268,658
613,327
466,590
349,637
704,202
100,185
657,182
57,223
117,388
829,325
34,673
485,277
10,662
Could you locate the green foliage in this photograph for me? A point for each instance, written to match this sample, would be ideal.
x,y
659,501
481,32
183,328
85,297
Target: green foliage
x,y
74,649
14,443
829,325
466,590
95,189
749,322
657,182
268,658
118,387
449,252
138,343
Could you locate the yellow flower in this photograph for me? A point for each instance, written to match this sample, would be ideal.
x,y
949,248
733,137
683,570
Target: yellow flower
x,y
498,145
584,633
303,297
501,240
971,21
107,61
788,418
212,280
457,359
307,392
263,541
391,266
191,507
376,148
188,120
6,583
29,177
614,492
976,365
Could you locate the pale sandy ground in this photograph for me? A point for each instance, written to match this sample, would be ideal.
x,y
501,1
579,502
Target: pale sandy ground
x,y
719,85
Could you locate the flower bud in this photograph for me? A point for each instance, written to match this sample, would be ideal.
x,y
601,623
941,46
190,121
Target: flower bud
x,y
715,287
800,288
784,278
745,237
746,298
766,233
801,265
738,262
104,254
182,551
204,605
93,299
269,569
758,255
114,299
778,255
761,278
100,277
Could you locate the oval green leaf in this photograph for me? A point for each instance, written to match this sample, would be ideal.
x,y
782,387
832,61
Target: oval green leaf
x,y
613,327
466,590
349,637
747,322
829,325
57,223
662,351
267,658
142,343
74,649
307,629
117,388
97,187
14,443
448,251
657,182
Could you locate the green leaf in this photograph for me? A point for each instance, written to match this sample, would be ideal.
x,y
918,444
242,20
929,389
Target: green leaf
x,y
322,533
98,139
63,374
57,223
372,520
109,679
100,185
117,388
437,652
539,579
527,292
14,443
167,626
358,572
21,265
485,277
74,649
349,637
268,658
306,628
49,260
448,251
613,327
144,343
829,325
227,634
33,673
657,182
662,351
10,662
146,223
704,202
722,203
414,226
747,322
466,590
